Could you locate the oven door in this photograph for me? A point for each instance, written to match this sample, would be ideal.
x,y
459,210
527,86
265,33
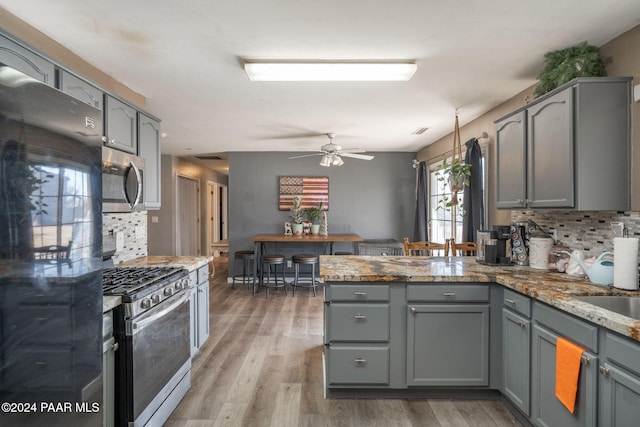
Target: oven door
x,y
159,348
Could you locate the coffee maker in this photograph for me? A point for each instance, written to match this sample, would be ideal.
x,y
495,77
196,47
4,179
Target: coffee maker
x,y
494,245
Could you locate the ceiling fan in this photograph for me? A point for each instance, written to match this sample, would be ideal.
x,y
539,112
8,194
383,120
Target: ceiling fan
x,y
332,153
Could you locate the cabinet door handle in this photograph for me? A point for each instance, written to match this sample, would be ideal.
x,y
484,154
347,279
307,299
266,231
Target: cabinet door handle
x,y
359,316
603,370
360,294
413,310
521,324
449,294
585,360
520,201
360,360
115,346
510,301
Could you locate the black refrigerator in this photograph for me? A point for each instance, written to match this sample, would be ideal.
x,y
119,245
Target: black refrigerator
x,y
50,256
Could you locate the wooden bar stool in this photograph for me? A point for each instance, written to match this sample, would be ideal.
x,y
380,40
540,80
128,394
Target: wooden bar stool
x,y
266,262
246,257
304,259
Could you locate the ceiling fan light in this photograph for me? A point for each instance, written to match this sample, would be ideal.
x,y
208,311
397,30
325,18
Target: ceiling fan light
x,y
325,161
329,71
337,161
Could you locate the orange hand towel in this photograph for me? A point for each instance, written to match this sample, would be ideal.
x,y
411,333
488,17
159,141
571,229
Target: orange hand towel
x,y
568,358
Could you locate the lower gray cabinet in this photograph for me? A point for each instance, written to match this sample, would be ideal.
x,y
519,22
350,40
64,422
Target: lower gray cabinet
x,y
199,309
619,392
357,365
108,382
447,345
516,359
546,409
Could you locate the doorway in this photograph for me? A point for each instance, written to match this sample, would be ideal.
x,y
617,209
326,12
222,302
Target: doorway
x,y
217,227
188,216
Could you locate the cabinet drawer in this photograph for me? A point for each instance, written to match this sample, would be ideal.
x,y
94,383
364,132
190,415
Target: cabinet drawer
x,y
357,365
357,293
358,322
37,368
623,352
567,326
517,302
448,293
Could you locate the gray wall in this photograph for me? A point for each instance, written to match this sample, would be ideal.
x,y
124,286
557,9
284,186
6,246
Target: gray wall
x,y
374,199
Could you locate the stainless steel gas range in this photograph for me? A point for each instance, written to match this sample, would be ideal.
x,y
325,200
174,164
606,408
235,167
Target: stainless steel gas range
x,y
153,362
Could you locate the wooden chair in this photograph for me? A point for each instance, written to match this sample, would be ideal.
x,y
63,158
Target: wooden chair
x,y
460,249
422,248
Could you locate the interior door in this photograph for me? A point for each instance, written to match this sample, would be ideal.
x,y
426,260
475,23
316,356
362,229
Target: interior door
x,y
188,217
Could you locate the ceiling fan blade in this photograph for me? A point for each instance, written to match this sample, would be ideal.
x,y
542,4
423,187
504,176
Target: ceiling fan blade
x,y
356,156
353,150
306,155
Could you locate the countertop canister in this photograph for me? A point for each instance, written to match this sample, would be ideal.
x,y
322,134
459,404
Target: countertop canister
x,y
539,248
625,262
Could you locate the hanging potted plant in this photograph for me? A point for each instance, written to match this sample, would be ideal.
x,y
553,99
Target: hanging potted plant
x,y
455,174
297,215
314,215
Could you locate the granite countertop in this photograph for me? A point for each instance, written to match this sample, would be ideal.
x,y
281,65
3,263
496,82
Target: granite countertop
x,y
555,289
109,302
189,262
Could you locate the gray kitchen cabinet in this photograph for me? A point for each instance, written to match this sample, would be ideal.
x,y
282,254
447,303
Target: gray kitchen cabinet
x,y
121,125
577,146
447,345
80,89
149,149
546,409
448,335
199,308
108,382
619,392
357,335
26,61
511,161
516,359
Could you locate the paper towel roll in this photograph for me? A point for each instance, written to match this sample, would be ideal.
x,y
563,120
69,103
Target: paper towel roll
x,y
625,262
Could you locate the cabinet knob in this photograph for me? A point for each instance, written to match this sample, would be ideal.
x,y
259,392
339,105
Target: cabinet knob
x,y
360,360
603,370
359,316
521,324
413,310
360,294
510,301
115,346
585,360
449,294
520,201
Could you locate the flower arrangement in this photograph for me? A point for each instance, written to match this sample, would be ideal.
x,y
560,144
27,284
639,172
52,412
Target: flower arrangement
x,y
315,213
297,213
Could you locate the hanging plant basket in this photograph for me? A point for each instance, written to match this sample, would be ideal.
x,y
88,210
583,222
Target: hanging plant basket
x,y
455,174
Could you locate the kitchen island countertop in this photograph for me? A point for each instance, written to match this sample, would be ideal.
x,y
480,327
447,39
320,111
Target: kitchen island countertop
x,y
555,289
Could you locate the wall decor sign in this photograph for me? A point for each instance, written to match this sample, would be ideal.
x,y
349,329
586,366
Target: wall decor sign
x,y
311,189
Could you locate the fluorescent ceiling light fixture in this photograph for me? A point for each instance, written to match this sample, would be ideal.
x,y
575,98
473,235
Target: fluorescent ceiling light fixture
x,y
329,71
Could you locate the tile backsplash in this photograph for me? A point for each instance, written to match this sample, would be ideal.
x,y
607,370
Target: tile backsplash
x,y
589,231
132,226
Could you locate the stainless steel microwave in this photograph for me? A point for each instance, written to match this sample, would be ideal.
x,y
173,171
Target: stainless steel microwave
x,y
122,181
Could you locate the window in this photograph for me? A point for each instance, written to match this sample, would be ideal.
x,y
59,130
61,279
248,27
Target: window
x,y
440,224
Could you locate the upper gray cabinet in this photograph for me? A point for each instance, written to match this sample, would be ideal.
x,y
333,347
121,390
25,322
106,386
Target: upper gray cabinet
x,y
80,89
26,61
567,149
149,145
121,125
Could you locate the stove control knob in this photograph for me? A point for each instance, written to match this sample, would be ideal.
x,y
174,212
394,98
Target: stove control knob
x,y
145,303
168,292
155,299
178,285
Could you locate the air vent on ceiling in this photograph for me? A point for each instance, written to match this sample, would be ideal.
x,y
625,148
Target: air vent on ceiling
x,y
209,157
419,131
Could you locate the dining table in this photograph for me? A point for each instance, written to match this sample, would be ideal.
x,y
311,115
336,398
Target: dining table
x,y
260,240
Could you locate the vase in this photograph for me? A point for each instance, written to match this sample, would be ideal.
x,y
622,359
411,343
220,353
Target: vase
x,y
297,229
315,229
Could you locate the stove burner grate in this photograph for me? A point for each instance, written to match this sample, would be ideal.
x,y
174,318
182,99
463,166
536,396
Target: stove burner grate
x,y
133,280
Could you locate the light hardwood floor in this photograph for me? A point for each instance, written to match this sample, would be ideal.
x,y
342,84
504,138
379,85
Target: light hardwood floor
x,y
262,366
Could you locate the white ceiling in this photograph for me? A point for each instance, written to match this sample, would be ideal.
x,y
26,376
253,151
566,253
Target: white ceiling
x,y
186,58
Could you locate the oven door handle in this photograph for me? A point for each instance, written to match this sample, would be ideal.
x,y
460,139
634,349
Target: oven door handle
x,y
138,325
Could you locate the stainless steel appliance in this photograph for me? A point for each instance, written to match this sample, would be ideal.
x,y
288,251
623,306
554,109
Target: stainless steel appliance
x,y
122,181
50,256
153,362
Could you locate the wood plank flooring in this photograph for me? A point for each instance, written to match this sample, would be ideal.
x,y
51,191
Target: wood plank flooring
x,y
262,366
